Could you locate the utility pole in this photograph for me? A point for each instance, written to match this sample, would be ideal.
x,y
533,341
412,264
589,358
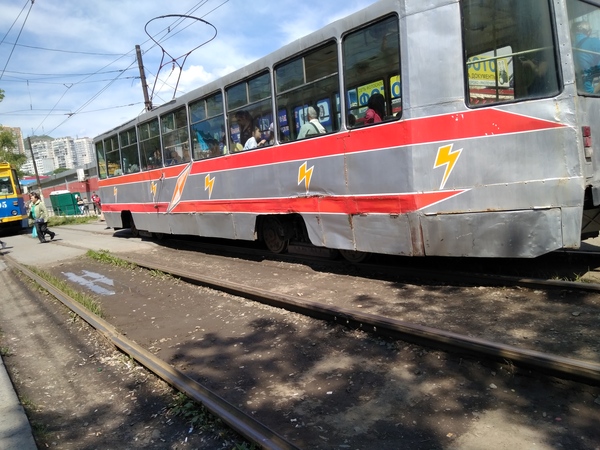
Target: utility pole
x,y
37,176
147,100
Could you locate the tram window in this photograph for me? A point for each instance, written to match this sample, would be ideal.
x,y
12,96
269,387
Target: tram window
x,y
310,80
101,159
130,159
372,65
584,20
113,158
208,127
175,140
150,145
510,51
249,106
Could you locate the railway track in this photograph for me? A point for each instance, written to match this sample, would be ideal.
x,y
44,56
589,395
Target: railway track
x,y
540,361
543,362
370,323
242,423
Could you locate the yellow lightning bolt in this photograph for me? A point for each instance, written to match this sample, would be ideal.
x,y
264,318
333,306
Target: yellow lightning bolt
x,y
115,191
208,184
153,189
445,156
305,174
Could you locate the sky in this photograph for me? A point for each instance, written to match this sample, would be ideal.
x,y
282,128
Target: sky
x,y
68,67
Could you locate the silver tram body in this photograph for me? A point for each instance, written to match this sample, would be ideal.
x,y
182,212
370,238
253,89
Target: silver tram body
x,y
515,175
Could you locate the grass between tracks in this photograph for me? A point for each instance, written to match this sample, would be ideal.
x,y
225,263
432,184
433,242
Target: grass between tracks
x,y
83,299
104,256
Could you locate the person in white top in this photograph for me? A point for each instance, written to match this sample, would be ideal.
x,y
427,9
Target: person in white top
x,y
312,125
255,140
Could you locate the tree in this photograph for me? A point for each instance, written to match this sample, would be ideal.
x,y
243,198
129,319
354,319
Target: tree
x,y
8,144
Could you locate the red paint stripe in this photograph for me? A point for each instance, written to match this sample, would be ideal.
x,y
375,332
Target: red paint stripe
x,y
444,128
379,204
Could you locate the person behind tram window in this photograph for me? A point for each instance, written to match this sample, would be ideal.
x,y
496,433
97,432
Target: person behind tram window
x,y
156,159
186,154
587,55
376,108
214,149
351,120
537,67
244,120
271,135
312,126
174,158
255,140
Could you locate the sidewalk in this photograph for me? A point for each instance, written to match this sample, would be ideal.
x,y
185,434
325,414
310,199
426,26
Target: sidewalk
x,y
15,431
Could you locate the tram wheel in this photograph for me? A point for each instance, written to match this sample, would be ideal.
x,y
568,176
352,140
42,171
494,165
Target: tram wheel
x,y
272,233
159,236
354,256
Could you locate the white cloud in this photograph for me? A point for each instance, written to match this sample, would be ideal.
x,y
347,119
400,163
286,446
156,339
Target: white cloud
x,y
85,83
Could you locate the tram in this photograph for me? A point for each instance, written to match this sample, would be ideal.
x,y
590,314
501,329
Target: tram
x,y
488,145
13,212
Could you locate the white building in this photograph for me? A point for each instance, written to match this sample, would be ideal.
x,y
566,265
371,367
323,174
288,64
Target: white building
x,y
63,152
66,153
42,151
84,151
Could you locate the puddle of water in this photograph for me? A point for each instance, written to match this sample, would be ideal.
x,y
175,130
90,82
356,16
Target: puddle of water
x,y
89,280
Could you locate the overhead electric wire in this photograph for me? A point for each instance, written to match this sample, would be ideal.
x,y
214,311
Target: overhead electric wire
x,y
62,51
172,27
18,36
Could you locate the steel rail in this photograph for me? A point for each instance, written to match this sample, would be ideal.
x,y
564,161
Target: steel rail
x,y
394,271
237,420
429,273
559,366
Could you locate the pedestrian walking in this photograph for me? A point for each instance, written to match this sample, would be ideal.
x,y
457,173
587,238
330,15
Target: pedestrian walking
x,y
97,203
40,215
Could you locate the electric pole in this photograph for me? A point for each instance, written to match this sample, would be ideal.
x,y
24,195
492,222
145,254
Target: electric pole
x,y
37,176
147,100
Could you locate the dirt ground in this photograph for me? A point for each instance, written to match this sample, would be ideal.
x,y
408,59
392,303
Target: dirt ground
x,y
320,385
79,392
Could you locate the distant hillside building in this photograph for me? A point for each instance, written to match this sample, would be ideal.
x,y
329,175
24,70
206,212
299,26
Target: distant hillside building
x,y
65,153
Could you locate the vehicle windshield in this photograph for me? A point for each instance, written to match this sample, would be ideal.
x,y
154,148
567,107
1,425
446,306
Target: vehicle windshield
x,y
5,186
584,20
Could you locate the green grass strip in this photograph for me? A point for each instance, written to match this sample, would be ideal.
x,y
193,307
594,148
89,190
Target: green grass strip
x,y
83,299
104,256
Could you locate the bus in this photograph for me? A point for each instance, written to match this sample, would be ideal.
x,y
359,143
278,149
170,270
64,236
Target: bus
x,y
487,147
13,212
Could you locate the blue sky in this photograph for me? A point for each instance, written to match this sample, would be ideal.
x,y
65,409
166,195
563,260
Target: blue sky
x,y
68,67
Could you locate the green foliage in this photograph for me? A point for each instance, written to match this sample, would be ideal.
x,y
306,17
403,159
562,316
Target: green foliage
x,y
56,221
83,299
105,257
7,145
196,415
199,417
